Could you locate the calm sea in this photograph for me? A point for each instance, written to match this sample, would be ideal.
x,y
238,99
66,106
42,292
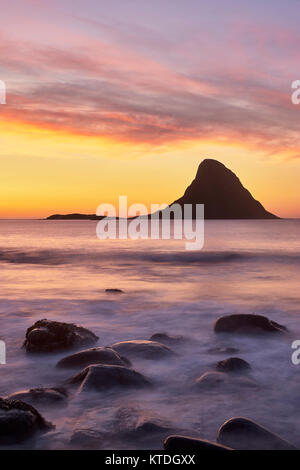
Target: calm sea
x,y
59,270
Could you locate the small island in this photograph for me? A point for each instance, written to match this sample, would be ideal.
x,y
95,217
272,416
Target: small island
x,y
215,186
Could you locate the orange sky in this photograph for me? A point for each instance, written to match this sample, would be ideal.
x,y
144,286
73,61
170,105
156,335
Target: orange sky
x,y
101,104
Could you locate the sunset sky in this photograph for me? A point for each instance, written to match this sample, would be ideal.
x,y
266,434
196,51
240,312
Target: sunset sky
x,y
127,97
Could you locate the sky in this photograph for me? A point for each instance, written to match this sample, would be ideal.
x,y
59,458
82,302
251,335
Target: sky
x,y
127,97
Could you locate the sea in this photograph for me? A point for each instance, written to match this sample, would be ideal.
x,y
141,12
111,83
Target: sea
x,y
60,270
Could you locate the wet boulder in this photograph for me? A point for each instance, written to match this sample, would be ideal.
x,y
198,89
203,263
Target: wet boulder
x,y
182,443
20,421
41,396
132,424
48,336
93,429
164,338
245,434
93,356
103,377
211,380
233,365
143,349
247,324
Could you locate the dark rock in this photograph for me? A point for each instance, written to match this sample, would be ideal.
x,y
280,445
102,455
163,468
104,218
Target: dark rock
x,y
233,364
19,421
213,380
210,380
93,356
223,350
247,324
244,434
47,336
100,427
105,377
75,217
47,396
164,338
143,349
131,423
222,193
114,291
183,443
94,428
146,426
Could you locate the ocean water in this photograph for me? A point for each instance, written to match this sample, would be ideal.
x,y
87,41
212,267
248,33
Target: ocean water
x,y
59,270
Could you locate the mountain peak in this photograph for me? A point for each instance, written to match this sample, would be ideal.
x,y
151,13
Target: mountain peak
x,y
222,193
209,164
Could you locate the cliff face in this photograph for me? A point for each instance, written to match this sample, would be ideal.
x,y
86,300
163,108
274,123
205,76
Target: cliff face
x,y
222,194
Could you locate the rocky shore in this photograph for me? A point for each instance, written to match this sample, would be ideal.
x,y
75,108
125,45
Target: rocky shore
x,y
111,369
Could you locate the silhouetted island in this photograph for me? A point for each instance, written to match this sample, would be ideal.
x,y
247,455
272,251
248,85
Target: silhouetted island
x,y
215,186
222,194
74,217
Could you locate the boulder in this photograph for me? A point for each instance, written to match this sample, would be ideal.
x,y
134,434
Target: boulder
x,y
233,364
164,338
114,291
42,396
143,349
93,356
244,434
186,444
132,423
48,336
103,377
19,421
247,324
211,380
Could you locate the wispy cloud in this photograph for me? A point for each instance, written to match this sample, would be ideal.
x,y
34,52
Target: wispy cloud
x,y
133,82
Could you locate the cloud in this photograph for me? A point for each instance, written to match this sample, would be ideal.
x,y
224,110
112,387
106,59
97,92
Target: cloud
x,y
103,89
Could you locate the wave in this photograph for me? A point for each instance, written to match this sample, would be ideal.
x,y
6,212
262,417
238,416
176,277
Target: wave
x,y
54,257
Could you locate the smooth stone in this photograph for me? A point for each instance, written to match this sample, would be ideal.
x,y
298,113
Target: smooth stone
x,y
245,434
47,396
131,423
93,356
144,349
210,380
103,377
247,324
93,427
164,338
233,364
20,421
182,443
47,336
